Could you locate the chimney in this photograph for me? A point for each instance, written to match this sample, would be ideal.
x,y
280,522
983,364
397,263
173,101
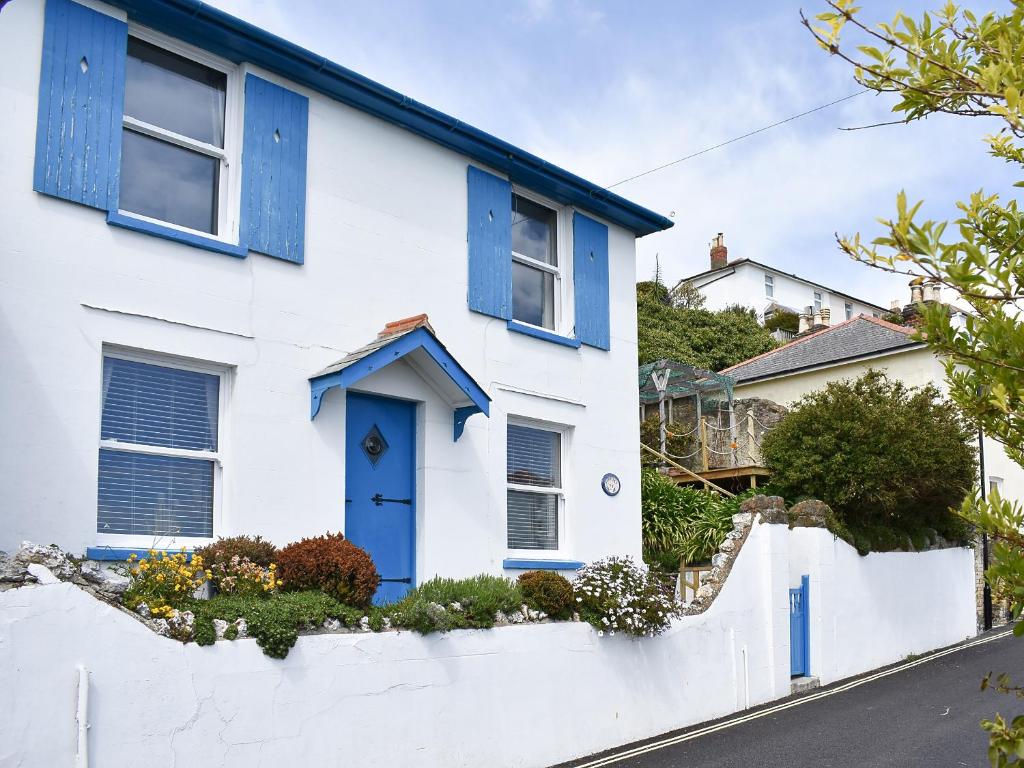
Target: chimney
x,y
916,291
719,253
826,316
932,291
805,321
816,318
895,305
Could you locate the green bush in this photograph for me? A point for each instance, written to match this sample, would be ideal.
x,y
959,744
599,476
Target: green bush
x,y
680,523
890,460
441,604
549,592
784,319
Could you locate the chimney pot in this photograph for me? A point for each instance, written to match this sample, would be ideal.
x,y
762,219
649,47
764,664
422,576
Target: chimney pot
x,y
916,291
826,316
719,253
805,322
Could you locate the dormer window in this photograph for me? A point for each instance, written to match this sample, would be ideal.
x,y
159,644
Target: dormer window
x,y
536,270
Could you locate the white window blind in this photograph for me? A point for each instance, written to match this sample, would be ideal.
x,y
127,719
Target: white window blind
x,y
158,450
534,475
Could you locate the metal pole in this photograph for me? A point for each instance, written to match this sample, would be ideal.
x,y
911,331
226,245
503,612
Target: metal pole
x,y
986,590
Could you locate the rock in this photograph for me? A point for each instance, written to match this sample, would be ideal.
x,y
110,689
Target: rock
x,y
50,556
161,627
532,615
386,623
243,627
106,580
772,509
809,514
456,606
718,560
181,625
516,617
332,625
220,627
13,573
42,574
728,546
500,618
734,535
742,519
364,624
143,610
705,591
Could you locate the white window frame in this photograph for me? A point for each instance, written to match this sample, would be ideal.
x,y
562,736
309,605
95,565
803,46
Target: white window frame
x,y
139,541
563,309
994,484
769,286
818,298
848,308
229,190
565,436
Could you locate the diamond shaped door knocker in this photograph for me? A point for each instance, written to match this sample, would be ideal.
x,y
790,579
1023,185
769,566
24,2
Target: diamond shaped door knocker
x,y
374,445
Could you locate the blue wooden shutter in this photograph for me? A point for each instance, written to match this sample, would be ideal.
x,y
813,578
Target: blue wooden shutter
x,y
274,170
490,244
590,281
81,99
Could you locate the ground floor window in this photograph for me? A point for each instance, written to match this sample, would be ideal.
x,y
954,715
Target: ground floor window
x,y
534,493
159,457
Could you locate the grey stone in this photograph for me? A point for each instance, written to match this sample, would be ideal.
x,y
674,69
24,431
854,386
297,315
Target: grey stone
x,y
243,627
332,625
143,610
49,555
161,627
719,559
772,509
13,573
516,617
705,591
742,519
364,624
220,627
456,606
105,579
809,514
43,574
728,546
181,625
500,618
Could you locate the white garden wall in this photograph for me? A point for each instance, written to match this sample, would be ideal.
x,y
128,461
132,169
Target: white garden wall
x,y
512,696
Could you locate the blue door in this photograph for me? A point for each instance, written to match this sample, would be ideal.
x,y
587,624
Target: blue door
x,y
799,630
380,487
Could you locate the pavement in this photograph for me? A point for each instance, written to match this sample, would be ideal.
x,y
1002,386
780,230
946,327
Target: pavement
x,y
922,713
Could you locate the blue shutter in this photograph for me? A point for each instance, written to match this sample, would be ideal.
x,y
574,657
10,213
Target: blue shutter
x,y
81,99
490,244
274,170
590,281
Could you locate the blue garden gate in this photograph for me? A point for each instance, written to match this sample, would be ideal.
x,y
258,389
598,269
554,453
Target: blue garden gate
x,y
799,629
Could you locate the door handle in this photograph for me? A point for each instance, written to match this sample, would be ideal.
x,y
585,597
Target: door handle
x,y
379,500
406,580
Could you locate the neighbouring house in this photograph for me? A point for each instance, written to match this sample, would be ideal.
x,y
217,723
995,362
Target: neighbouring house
x,y
221,252
767,289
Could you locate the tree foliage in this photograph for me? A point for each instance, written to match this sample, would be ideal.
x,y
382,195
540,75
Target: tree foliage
x,y
784,319
706,339
891,461
953,61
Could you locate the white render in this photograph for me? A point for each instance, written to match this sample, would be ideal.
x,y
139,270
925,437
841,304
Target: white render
x,y
385,239
742,282
524,696
915,367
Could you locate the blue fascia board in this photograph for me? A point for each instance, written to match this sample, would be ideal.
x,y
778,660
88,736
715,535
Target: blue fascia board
x,y
170,233
420,338
237,40
123,553
522,564
540,333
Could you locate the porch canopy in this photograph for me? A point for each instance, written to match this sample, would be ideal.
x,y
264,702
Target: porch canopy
x,y
412,340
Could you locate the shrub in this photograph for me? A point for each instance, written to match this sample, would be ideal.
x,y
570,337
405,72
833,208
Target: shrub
x,y
784,319
244,577
615,595
882,455
253,548
440,604
549,592
332,565
162,581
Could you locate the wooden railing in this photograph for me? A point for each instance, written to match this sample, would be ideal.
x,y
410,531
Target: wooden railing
x,y
690,577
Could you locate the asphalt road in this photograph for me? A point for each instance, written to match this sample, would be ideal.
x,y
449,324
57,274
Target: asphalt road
x,y
925,715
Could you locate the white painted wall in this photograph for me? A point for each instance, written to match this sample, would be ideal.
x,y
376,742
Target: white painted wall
x,y
524,696
385,239
744,284
916,368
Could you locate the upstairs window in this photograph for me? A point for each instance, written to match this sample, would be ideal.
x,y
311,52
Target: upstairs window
x,y
536,274
534,476
159,450
817,301
849,310
769,286
175,146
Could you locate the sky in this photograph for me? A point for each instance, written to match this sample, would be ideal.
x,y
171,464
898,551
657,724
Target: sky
x,y
610,89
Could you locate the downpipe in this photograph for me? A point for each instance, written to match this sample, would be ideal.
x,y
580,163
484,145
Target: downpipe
x,y
82,718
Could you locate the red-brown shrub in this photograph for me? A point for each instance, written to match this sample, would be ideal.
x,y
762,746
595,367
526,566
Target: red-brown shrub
x,y
331,564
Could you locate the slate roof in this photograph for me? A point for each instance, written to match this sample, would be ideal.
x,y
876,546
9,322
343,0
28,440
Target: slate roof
x,y
860,337
392,332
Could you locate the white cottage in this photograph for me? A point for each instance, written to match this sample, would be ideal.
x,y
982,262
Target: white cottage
x,y
220,252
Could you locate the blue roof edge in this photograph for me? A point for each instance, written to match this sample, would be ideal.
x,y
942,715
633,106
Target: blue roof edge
x,y
232,38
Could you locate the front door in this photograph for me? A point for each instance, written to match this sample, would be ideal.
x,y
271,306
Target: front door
x,y
380,487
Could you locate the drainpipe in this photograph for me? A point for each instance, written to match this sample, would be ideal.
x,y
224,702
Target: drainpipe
x,y
986,590
82,718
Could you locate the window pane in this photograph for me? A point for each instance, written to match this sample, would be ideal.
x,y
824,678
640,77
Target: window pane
x,y
174,93
154,405
534,457
169,183
532,520
154,495
533,296
533,230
